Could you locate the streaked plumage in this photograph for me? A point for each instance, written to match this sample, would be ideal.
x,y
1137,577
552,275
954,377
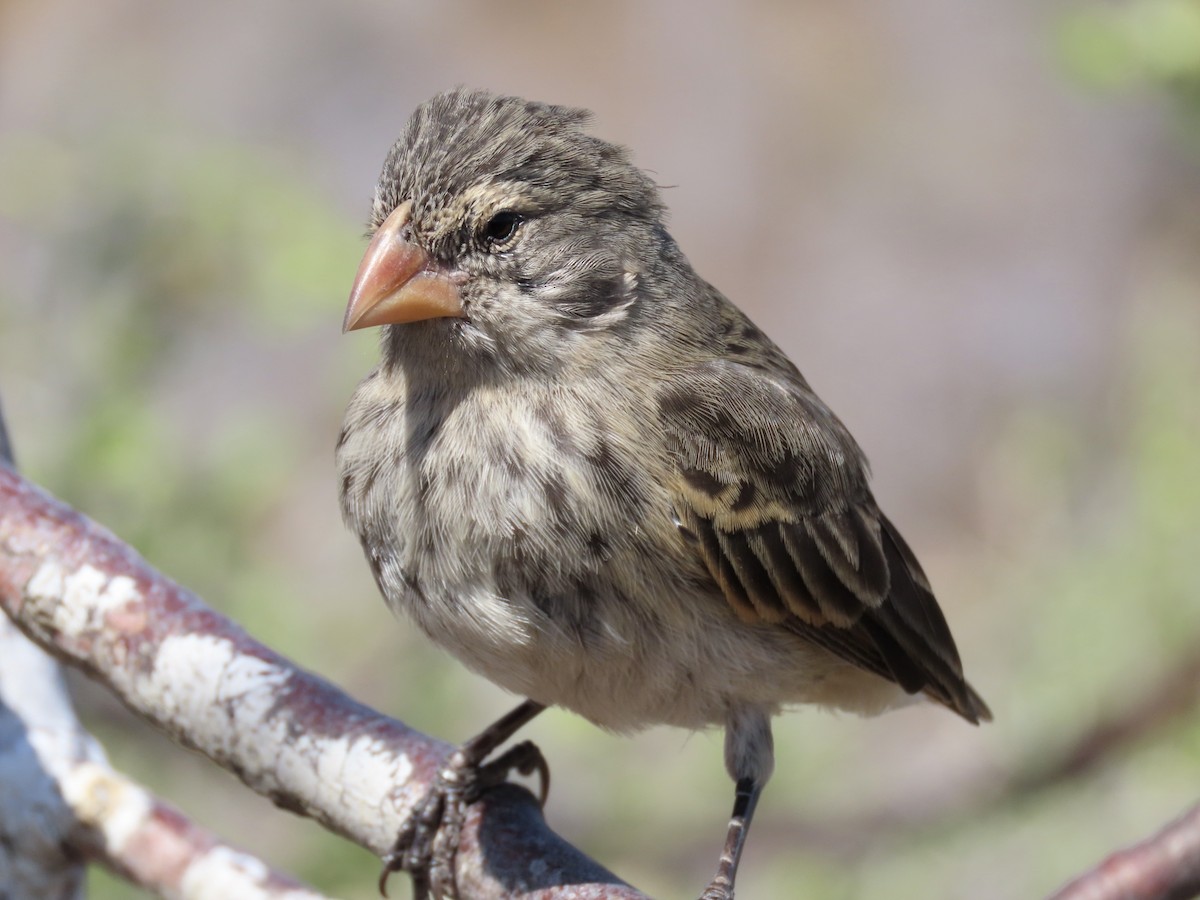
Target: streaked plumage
x,y
599,484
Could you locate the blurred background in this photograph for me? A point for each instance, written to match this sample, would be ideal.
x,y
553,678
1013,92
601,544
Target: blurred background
x,y
976,226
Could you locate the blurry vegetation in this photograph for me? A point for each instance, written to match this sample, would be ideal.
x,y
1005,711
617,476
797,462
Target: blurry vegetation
x,y
186,265
1139,43
201,374
165,245
1106,573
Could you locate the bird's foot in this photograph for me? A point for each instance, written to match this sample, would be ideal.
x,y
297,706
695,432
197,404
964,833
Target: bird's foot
x,y
427,844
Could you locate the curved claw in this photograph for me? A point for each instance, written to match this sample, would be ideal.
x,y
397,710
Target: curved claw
x,y
534,761
413,846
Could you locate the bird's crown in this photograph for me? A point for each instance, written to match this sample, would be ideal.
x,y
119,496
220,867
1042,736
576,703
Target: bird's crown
x,y
460,139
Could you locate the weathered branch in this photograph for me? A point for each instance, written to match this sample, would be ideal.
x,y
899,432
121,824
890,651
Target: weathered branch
x,y
39,737
63,805
90,600
1165,866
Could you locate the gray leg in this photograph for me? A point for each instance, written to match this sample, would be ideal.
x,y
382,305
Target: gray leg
x,y
745,799
750,759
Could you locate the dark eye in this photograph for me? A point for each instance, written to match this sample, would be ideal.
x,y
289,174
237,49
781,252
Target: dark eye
x,y
501,227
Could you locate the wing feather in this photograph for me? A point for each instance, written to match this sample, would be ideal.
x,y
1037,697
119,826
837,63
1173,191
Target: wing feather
x,y
755,579
777,498
838,603
767,542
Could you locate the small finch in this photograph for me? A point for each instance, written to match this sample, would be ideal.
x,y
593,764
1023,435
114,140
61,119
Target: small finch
x,y
589,476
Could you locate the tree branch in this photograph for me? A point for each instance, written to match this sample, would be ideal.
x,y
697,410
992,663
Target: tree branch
x,y
39,737
1165,866
63,805
90,600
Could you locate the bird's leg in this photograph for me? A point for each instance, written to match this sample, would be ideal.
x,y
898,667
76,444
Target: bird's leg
x,y
745,799
428,841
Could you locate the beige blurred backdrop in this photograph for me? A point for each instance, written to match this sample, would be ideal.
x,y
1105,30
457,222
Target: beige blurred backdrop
x,y
973,225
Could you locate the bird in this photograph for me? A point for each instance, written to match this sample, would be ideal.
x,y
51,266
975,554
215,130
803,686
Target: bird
x,y
584,472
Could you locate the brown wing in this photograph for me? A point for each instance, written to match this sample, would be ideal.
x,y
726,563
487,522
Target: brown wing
x,y
775,491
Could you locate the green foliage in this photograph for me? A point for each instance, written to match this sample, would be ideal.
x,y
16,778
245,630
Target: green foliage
x,y
180,359
1138,42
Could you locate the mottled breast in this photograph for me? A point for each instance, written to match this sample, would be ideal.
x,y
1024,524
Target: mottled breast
x,y
522,528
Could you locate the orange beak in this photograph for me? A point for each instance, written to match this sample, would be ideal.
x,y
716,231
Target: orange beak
x,y
397,282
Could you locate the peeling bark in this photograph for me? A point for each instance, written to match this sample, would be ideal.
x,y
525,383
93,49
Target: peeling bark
x,y
84,596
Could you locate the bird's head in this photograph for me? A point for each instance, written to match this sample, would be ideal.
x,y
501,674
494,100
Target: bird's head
x,y
502,225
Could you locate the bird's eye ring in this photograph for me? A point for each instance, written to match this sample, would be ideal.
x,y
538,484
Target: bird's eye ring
x,y
501,227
